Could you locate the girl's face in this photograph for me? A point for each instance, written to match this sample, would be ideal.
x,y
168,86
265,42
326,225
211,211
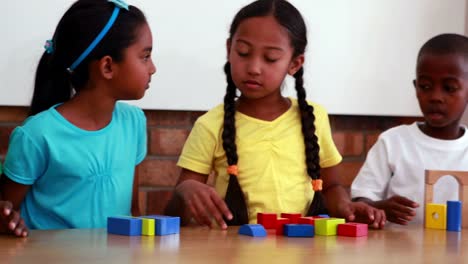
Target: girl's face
x,y
260,54
133,73
442,89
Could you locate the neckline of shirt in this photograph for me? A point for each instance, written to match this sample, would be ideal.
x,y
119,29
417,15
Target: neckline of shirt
x,y
276,120
461,142
73,127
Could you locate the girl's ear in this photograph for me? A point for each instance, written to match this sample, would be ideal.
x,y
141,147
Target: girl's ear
x,y
107,67
296,64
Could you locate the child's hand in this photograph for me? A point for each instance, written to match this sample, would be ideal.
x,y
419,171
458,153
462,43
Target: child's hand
x,y
399,209
203,202
10,221
363,213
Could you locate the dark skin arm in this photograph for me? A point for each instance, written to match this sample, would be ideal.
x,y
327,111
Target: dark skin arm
x,y
339,201
11,196
194,198
135,193
398,209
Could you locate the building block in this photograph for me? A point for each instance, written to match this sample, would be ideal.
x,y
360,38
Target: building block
x,y
298,230
147,226
327,226
352,229
293,218
436,216
322,216
308,220
124,225
165,225
254,230
454,216
432,176
280,222
267,220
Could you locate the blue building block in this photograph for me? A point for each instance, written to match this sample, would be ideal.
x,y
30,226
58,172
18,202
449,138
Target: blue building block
x,y
165,225
299,230
124,225
255,230
454,215
323,216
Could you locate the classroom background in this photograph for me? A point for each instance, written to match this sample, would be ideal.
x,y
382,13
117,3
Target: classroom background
x,y
168,130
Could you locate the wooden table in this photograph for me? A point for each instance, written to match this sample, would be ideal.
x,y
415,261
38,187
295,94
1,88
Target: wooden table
x,y
201,245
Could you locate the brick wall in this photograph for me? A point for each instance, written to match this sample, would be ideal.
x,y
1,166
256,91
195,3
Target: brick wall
x,y
167,131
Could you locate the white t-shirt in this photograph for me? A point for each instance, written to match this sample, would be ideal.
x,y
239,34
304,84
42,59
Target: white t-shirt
x,y
395,166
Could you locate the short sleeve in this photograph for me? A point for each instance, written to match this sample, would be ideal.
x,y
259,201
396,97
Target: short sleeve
x,y
142,147
198,152
329,154
25,161
374,176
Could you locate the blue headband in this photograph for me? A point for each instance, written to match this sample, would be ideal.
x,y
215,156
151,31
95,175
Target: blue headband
x,y
118,5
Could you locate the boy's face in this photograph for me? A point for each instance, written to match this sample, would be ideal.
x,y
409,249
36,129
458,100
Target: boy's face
x,y
442,88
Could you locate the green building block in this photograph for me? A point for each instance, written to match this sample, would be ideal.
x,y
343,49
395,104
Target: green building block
x,y
327,226
147,226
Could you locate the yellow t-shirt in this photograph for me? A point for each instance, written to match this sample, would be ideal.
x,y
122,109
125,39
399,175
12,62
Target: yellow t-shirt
x,y
272,168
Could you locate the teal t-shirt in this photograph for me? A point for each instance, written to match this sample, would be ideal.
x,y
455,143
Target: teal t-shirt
x,y
78,178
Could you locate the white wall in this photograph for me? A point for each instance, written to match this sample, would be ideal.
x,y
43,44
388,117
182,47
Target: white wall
x,y
360,60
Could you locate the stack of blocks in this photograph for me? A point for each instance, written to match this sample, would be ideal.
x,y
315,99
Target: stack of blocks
x,y
150,225
294,225
446,217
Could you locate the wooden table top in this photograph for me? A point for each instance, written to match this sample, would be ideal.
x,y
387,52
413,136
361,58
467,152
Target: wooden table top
x,y
201,245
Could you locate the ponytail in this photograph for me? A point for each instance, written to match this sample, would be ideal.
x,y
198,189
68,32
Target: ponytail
x,y
310,142
234,198
52,85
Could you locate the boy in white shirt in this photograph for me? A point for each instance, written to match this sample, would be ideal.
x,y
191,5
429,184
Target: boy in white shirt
x,y
392,177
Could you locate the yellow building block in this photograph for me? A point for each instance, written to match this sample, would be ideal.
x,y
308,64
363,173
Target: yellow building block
x,y
147,226
327,226
436,216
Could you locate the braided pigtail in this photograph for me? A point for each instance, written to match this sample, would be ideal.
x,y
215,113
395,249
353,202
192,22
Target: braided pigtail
x,y
234,197
311,145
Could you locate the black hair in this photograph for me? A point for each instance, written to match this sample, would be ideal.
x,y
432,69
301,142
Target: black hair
x,y
445,44
290,18
75,31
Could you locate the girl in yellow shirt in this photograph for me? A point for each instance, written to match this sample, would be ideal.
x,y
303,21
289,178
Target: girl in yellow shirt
x,y
268,152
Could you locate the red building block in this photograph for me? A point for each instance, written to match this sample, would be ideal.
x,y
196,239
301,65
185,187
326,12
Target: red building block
x,y
293,218
267,220
309,220
352,230
280,222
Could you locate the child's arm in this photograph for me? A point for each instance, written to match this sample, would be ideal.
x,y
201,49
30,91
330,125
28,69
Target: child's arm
x,y
339,202
135,193
398,209
11,196
194,198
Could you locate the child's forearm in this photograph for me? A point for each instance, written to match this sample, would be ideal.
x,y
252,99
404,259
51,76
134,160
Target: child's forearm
x,y
335,196
376,204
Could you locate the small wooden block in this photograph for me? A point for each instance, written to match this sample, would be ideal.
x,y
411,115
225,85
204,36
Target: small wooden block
x,y
436,216
352,229
454,216
309,220
147,226
322,216
280,222
293,218
124,225
327,226
267,220
254,230
165,225
296,230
